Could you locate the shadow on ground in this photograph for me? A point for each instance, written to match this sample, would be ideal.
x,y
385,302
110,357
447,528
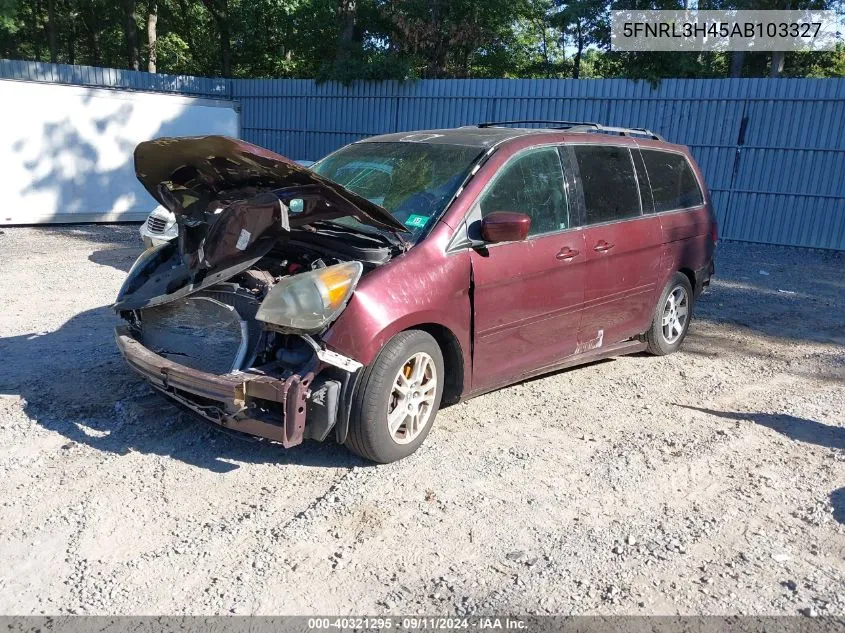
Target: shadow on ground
x,y
121,258
837,501
795,428
801,297
75,383
799,429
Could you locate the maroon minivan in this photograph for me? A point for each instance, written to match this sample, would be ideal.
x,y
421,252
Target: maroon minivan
x,y
406,271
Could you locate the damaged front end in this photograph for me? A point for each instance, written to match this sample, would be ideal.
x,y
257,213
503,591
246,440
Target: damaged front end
x,y
227,319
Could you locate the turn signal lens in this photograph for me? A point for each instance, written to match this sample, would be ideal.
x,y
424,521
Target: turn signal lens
x,y
337,283
308,302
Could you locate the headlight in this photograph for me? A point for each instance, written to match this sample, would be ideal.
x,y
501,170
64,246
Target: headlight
x,y
310,301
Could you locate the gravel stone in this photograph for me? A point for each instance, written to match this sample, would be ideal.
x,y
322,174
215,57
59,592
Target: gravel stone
x,y
637,485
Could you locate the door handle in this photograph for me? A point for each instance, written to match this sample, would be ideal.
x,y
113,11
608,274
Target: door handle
x,y
566,253
602,246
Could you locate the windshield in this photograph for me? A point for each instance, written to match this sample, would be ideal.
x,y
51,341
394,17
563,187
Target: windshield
x,y
413,181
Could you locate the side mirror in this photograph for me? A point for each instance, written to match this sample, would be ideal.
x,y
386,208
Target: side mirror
x,y
505,226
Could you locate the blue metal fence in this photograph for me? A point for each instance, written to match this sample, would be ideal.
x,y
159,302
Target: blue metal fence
x,y
772,150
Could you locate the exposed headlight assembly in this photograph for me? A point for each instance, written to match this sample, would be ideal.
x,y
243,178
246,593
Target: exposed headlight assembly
x,y
308,302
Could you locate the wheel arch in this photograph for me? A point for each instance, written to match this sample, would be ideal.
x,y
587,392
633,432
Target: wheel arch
x,y
453,359
689,274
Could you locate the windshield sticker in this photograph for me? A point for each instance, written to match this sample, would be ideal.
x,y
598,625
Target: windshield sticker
x,y
416,221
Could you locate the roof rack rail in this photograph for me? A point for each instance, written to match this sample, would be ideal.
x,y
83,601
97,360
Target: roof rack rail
x,y
562,124
622,131
586,126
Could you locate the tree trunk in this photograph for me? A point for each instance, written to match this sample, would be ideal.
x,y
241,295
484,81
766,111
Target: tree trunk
x,y
576,68
219,10
71,43
152,19
89,23
36,35
130,30
226,45
437,59
737,60
51,30
562,51
346,17
777,64
546,63
466,52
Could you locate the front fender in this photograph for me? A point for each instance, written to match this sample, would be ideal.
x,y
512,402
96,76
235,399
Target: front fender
x,y
423,286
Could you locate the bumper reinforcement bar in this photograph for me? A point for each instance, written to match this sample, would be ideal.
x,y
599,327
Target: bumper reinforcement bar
x,y
234,392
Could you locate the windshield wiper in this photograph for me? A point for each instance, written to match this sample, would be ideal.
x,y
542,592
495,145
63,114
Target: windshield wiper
x,y
388,239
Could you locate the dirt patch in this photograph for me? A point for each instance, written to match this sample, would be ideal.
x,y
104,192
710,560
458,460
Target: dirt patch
x,y
710,481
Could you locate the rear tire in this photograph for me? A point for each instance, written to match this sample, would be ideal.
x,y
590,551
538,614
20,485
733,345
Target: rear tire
x,y
672,316
395,404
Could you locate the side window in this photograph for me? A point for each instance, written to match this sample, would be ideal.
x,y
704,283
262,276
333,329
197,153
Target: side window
x,y
673,183
608,182
531,183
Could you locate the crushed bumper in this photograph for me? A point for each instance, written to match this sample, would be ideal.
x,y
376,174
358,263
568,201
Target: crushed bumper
x,y
226,400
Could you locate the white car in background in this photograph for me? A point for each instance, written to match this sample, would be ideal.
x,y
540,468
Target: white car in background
x,y
161,227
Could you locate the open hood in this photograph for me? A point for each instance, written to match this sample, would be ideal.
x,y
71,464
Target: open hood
x,y
232,201
187,174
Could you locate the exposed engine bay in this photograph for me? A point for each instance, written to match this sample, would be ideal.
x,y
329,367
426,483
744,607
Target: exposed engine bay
x,y
248,219
222,316
227,318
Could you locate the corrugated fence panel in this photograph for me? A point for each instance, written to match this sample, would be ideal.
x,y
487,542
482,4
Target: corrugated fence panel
x,y
772,151
114,78
790,177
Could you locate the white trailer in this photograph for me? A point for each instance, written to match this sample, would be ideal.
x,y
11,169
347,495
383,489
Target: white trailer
x,y
66,151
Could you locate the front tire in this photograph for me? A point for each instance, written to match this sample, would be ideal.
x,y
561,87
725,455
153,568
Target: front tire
x,y
397,400
672,317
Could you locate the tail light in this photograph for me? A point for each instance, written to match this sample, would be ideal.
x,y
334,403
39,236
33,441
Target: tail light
x,y
714,231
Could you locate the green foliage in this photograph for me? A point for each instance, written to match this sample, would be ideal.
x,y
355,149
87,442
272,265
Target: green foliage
x,y
584,23
818,65
348,40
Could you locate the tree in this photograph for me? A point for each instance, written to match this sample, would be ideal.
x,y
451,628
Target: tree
x,y
152,36
346,17
219,10
587,23
51,30
347,40
447,38
130,30
737,61
535,49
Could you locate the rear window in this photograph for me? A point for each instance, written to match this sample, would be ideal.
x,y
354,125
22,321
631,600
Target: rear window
x,y
608,182
673,183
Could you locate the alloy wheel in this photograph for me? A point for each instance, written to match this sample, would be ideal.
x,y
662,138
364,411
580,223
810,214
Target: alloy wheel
x,y
411,399
675,314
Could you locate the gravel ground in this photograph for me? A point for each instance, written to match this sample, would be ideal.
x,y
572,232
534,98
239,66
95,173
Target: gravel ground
x,y
708,482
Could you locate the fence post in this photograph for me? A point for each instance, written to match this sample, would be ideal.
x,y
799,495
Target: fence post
x,y
740,141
